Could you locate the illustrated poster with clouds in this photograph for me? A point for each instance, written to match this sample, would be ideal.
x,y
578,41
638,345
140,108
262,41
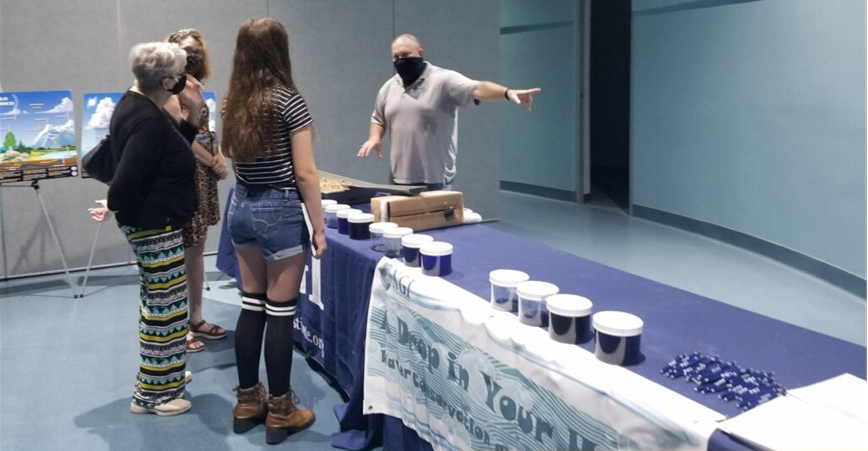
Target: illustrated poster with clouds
x,y
37,136
98,109
211,101
97,115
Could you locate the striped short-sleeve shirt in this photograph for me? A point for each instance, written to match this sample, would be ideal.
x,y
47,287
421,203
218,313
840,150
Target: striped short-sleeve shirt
x,y
289,113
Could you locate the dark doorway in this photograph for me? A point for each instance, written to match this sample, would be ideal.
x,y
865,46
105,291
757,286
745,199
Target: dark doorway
x,y
609,107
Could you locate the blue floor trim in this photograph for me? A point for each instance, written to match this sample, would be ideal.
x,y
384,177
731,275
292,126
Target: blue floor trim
x,y
536,190
817,268
697,4
536,27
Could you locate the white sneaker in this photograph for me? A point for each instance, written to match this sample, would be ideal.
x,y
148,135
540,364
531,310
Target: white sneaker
x,y
176,406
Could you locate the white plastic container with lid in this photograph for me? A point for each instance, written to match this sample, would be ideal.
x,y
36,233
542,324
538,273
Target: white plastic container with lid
x,y
569,318
327,202
377,229
436,258
503,283
617,337
343,223
331,214
410,245
346,212
532,302
392,240
358,226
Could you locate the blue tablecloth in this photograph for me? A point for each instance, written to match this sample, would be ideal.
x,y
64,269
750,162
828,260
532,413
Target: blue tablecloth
x,y
676,322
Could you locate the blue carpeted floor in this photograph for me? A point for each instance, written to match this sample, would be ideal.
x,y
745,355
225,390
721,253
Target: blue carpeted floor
x,y
68,368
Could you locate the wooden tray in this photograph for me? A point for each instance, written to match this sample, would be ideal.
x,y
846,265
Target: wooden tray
x,y
359,191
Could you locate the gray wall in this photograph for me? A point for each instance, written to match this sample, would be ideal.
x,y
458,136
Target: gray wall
x,y
751,116
340,51
538,49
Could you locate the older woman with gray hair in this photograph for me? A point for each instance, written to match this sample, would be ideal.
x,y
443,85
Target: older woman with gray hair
x,y
153,195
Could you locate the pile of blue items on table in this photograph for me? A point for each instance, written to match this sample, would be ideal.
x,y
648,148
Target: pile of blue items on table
x,y
748,386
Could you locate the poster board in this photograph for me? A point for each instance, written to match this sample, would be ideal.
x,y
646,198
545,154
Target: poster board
x,y
96,117
37,136
213,112
98,109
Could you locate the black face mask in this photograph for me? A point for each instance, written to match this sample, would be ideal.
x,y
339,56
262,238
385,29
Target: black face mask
x,y
410,68
179,85
195,61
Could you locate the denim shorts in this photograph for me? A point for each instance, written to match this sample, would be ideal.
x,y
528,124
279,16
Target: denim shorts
x,y
270,218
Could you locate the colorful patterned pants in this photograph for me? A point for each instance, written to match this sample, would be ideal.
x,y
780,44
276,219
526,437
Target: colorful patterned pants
x,y
163,314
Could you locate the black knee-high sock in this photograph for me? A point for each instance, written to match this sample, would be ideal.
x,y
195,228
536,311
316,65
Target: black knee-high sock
x,y
248,338
278,345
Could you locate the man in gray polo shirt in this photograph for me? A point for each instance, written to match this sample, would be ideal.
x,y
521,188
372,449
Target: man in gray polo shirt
x,y
419,108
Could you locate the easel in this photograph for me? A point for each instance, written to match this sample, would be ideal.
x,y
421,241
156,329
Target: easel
x,y
35,185
90,259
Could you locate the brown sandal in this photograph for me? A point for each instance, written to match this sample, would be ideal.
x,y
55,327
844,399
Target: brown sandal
x,y
213,332
194,345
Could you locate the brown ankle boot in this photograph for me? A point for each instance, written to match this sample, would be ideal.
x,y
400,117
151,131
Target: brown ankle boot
x,y
284,417
251,408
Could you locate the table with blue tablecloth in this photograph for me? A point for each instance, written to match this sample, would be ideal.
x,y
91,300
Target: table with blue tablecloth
x,y
332,329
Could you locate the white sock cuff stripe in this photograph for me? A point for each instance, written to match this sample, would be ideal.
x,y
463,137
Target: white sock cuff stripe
x,y
280,311
270,313
252,301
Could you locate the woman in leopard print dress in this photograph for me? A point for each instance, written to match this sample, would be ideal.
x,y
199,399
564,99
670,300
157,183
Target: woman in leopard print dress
x,y
210,167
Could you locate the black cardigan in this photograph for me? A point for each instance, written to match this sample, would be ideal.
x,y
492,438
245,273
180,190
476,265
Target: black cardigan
x,y
154,185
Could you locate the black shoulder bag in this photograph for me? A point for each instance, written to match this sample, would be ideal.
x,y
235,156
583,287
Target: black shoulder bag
x,y
100,163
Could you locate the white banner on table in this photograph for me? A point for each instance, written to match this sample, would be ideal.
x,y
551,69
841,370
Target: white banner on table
x,y
467,377
315,269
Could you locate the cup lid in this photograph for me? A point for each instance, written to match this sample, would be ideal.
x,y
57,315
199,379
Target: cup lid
x,y
415,240
619,324
436,249
327,202
357,218
397,232
336,207
569,305
346,212
379,227
536,290
507,277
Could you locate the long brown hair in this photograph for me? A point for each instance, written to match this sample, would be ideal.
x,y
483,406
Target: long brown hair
x,y
182,34
261,62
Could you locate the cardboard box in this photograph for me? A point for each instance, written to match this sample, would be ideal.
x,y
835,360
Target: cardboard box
x,y
428,210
